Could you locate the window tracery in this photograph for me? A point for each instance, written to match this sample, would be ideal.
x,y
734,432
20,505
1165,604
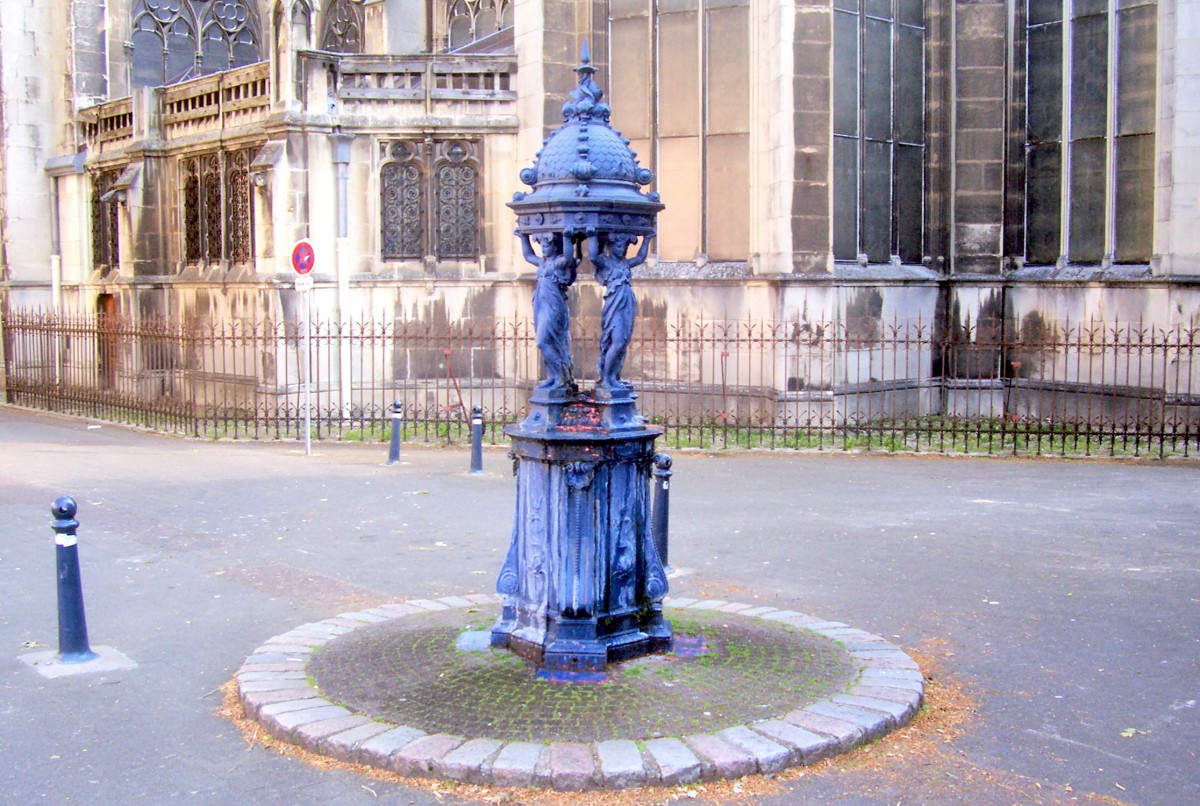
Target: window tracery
x,y
468,21
343,28
175,40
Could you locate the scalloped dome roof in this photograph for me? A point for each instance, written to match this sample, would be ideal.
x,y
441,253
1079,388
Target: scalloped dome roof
x,y
585,148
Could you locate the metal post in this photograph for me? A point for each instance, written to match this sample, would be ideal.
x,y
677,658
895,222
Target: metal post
x,y
397,424
477,438
308,372
72,625
660,514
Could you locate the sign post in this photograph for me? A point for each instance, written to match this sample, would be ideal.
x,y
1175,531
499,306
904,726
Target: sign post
x,y
304,260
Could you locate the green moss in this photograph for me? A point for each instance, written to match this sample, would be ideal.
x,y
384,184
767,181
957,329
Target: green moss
x,y
409,671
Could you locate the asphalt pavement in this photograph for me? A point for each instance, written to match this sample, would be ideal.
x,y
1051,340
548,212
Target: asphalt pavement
x,y
1061,597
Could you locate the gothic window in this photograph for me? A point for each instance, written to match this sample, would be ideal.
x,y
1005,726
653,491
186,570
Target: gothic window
x,y
241,209
174,40
429,200
879,130
680,90
218,221
343,29
1089,150
468,21
400,185
456,188
105,254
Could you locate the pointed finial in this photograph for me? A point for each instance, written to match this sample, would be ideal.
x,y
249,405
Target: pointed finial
x,y
585,68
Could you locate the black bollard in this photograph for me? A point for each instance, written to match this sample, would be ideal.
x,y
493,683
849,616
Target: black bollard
x,y
477,438
72,624
397,425
660,514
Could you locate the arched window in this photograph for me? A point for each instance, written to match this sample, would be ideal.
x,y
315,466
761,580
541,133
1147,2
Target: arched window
x,y
343,28
429,200
401,203
174,40
456,190
468,21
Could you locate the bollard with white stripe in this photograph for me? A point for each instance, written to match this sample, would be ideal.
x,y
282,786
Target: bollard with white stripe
x,y
397,425
72,624
477,438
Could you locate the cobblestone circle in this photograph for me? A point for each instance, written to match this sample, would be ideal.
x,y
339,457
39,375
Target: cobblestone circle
x,y
870,687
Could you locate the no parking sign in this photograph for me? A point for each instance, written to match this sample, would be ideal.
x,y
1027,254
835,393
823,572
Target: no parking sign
x,y
304,257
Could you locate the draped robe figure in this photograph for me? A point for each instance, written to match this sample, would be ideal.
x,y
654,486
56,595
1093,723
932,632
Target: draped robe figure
x,y
551,316
614,271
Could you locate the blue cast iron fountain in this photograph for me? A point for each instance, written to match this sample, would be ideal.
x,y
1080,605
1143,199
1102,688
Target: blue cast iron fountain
x,y
582,581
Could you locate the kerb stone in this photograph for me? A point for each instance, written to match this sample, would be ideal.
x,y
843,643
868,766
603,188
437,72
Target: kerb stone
x,y
378,751
468,761
676,763
344,745
421,756
768,756
621,764
255,701
572,766
309,736
286,724
517,764
873,723
809,747
277,708
846,734
720,758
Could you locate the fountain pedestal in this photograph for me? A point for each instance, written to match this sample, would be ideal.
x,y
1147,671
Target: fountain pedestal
x,y
582,581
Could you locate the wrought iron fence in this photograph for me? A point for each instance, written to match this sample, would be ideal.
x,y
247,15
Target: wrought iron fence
x,y
1068,389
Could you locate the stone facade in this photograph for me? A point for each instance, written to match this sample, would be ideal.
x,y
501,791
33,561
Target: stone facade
x,y
185,200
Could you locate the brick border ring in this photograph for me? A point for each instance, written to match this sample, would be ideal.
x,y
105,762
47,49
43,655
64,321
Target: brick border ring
x,y
274,689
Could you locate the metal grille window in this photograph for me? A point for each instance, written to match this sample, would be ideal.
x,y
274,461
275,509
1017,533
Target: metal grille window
x,y
413,173
879,130
105,248
1089,149
175,40
218,210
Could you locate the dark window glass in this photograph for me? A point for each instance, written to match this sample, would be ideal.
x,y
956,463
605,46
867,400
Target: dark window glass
x,y
878,8
1044,104
1086,244
845,63
1044,11
876,201
909,186
214,52
877,79
846,5
1085,8
147,59
845,198
1043,213
1135,198
912,12
1136,76
910,86
1089,77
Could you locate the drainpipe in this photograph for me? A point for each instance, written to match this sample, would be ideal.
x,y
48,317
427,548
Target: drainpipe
x,y
341,143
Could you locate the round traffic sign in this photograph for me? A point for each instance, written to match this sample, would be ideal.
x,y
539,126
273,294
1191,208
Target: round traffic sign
x,y
304,257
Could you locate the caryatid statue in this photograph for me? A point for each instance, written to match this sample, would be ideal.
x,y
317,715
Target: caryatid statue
x,y
586,185
614,271
551,316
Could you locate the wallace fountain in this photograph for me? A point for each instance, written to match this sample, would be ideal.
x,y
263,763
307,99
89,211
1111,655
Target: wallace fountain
x,y
582,682
582,583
